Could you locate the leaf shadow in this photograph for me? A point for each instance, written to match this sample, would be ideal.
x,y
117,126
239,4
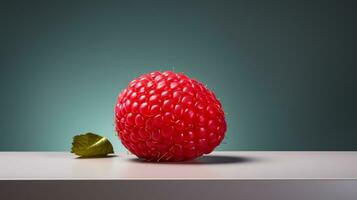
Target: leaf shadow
x,y
96,157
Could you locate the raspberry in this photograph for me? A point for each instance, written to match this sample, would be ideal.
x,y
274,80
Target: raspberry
x,y
169,117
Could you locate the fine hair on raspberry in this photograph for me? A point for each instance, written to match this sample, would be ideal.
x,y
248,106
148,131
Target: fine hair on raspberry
x,y
167,116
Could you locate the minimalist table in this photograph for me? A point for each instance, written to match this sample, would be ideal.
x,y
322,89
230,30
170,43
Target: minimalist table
x,y
220,175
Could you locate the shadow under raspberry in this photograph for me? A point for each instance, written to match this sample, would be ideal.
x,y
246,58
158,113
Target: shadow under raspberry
x,y
205,160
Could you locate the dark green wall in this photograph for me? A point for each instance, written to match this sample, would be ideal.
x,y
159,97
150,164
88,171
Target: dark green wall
x,y
285,71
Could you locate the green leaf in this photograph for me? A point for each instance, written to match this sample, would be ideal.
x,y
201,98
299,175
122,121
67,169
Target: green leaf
x,y
91,145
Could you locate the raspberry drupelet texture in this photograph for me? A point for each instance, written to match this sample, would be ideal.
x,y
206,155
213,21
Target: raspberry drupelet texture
x,y
166,116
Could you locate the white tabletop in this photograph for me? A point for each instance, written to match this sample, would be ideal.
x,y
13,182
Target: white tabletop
x,y
237,165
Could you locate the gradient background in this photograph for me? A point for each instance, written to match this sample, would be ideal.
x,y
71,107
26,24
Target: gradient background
x,y
285,71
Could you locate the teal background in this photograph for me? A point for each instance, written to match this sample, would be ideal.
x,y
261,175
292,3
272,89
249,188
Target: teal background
x,y
284,71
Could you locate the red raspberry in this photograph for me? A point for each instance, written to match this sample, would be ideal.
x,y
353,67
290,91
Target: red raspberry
x,y
169,117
